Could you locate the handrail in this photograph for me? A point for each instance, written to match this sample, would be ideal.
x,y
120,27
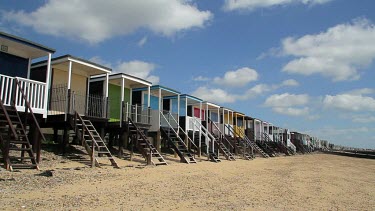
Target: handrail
x,y
161,112
8,120
29,80
27,105
221,134
141,134
205,132
248,141
183,131
84,127
127,112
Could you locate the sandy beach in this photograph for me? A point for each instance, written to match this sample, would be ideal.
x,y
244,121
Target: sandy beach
x,y
301,182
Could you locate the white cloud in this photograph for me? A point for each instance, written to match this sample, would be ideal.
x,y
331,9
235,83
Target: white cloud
x,y
290,82
363,118
214,95
140,69
286,100
142,41
348,102
97,20
291,111
337,53
256,90
231,5
364,91
289,104
100,61
201,78
237,78
219,95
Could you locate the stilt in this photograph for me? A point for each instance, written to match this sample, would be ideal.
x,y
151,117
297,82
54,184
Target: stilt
x,y
158,141
65,141
38,143
122,142
102,132
55,135
111,139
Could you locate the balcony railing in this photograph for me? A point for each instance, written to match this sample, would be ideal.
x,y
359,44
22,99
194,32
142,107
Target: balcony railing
x,y
137,113
35,92
64,101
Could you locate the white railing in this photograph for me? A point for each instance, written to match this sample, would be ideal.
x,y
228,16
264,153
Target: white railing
x,y
172,123
206,134
137,113
291,145
34,91
190,123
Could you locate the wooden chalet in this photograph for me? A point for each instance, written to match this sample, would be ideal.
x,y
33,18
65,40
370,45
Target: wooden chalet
x,y
85,102
129,114
23,102
81,112
165,130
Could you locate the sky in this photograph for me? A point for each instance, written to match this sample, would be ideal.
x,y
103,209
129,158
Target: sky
x,y
306,65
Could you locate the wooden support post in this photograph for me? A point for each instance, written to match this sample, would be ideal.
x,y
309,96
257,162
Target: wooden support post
x,y
55,135
92,154
149,157
65,141
158,141
37,143
111,139
102,132
133,137
123,141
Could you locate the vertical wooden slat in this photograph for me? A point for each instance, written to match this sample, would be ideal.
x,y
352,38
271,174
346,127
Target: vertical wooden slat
x,y
6,89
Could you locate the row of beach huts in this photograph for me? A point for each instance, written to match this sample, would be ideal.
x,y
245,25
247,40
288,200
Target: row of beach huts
x,y
84,103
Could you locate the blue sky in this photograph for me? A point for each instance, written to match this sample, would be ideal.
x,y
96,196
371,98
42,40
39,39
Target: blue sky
x,y
307,65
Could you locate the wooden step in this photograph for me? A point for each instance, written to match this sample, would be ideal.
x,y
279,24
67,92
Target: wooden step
x,y
19,149
24,165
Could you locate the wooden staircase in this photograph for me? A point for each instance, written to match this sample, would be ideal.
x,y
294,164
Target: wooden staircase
x,y
213,157
148,151
249,142
212,141
242,150
14,140
13,132
91,140
299,146
178,145
288,151
223,148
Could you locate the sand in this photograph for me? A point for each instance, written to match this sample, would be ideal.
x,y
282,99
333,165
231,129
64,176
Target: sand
x,y
301,182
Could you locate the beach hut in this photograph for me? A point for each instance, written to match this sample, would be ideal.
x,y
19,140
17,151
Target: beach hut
x,y
288,140
299,140
242,144
191,115
165,130
238,124
226,121
69,87
252,127
123,102
73,106
267,131
23,102
216,141
129,114
262,136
